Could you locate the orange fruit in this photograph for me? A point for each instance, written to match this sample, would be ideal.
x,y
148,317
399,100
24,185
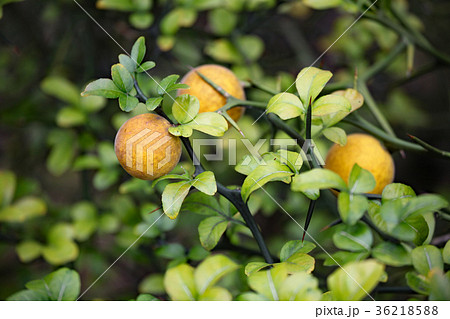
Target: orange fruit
x,y
145,148
367,152
211,100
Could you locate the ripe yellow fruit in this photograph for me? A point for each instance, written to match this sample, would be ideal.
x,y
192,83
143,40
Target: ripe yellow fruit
x,y
368,153
145,148
211,100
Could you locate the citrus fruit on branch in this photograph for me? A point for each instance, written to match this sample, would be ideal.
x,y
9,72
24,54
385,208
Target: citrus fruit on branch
x,y
367,152
145,148
211,100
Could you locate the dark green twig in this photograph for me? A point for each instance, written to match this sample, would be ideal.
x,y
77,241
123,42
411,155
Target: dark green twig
x,y
432,149
388,139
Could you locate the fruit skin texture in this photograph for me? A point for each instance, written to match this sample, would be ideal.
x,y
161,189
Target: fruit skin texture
x,y
368,153
141,137
211,100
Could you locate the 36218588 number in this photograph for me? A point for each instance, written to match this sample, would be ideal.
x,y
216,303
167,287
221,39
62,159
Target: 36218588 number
x,y
406,310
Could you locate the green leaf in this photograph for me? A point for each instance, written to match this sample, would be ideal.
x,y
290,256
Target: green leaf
x,y
317,178
61,252
128,63
128,103
205,183
391,213
108,223
178,17
116,5
300,287
418,282
181,130
7,187
122,78
253,267
153,103
70,116
216,294
179,283
60,232
144,67
102,87
329,104
146,297
294,246
272,171
141,20
210,230
439,286
211,270
397,190
173,196
152,284
351,207
107,154
105,178
185,108
222,21
267,282
84,215
28,295
336,135
414,228
23,210
356,237
322,4
197,253
299,262
392,254
171,251
184,177
247,165
293,160
92,104
426,258
202,204
169,83
360,180
251,45
251,296
63,144
446,252
223,50
61,88
210,123
310,82
344,257
138,50
86,162
355,280
28,250
424,204
355,98
63,284
285,105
